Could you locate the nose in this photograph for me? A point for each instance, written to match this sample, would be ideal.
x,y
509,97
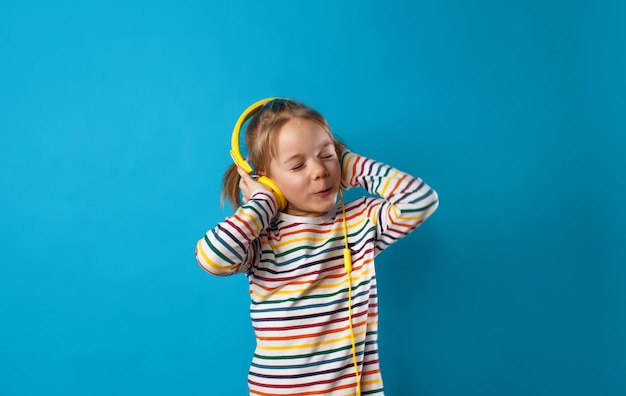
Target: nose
x,y
318,170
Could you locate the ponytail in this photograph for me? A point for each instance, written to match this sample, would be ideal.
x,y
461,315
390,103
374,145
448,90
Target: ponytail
x,y
230,188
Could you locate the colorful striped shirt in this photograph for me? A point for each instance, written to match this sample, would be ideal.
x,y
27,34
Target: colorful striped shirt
x,y
299,286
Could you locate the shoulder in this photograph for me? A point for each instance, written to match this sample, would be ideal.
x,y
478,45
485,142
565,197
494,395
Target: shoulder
x,y
365,206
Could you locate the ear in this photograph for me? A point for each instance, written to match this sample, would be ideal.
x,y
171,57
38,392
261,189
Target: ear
x,y
263,171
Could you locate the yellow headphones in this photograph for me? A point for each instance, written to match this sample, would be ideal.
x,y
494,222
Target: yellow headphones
x,y
235,153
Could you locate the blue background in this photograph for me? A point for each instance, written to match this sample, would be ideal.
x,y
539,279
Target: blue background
x,y
115,121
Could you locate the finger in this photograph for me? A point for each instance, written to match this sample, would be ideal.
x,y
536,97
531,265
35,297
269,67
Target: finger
x,y
246,178
242,172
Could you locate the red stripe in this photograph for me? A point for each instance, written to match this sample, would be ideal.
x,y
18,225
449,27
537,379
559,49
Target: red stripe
x,y
329,381
246,224
239,230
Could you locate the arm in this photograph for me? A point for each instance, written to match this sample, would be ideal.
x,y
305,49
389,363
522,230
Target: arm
x,y
405,201
232,246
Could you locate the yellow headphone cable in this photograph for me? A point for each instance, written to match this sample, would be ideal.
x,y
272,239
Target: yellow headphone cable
x,y
347,262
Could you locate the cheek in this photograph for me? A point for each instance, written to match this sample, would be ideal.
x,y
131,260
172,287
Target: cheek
x,y
298,183
291,184
336,170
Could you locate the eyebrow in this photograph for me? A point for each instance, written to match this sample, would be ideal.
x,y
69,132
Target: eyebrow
x,y
322,147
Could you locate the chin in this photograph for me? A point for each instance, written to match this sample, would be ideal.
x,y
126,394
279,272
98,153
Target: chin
x,y
317,208
330,204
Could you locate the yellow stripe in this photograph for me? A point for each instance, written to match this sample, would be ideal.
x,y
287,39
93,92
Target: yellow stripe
x,y
388,182
410,219
398,216
312,239
211,262
372,214
253,219
363,383
306,346
300,291
372,382
302,239
347,165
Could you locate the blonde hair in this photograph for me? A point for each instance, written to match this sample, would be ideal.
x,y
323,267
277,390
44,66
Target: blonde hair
x,y
260,138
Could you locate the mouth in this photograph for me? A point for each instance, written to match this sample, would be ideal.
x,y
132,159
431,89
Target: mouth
x,y
323,193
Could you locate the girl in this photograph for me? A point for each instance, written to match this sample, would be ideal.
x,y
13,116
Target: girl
x,y
315,315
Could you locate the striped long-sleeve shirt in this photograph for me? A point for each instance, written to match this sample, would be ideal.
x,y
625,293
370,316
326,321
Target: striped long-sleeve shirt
x,y
298,284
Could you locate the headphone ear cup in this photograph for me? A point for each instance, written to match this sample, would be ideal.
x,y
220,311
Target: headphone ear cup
x,y
280,198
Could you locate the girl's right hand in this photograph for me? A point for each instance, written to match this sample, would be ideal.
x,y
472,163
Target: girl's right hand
x,y
248,185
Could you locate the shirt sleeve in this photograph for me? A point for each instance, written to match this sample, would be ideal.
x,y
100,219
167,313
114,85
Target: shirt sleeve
x,y
232,246
401,204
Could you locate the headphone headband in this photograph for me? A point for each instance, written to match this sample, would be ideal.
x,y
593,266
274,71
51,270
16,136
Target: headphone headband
x,y
235,152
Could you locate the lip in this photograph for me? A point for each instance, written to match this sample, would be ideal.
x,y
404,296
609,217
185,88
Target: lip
x,y
323,193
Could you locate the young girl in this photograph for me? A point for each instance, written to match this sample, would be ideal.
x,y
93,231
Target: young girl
x,y
315,319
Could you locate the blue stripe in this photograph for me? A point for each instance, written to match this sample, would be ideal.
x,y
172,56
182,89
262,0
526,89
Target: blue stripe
x,y
335,302
226,245
299,258
267,216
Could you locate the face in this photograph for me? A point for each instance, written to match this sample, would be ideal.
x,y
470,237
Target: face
x,y
306,168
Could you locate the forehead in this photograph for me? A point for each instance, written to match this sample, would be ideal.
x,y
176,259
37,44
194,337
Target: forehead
x,y
298,134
